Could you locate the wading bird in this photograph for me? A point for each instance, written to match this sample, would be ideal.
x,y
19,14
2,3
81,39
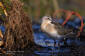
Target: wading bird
x,y
54,30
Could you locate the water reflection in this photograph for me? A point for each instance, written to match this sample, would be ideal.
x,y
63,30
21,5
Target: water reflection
x,y
43,40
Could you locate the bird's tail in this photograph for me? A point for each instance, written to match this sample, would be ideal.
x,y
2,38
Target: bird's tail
x,y
71,34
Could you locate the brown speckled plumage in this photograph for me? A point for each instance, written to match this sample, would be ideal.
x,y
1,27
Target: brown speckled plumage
x,y
55,30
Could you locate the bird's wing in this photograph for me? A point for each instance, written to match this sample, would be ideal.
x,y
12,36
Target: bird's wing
x,y
62,30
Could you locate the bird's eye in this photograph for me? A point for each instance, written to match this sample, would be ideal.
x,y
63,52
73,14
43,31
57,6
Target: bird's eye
x,y
48,18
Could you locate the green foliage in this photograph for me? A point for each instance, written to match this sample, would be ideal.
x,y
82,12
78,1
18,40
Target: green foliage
x,y
6,4
47,7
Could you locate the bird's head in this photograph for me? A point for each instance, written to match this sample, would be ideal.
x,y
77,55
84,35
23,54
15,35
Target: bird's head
x,y
47,19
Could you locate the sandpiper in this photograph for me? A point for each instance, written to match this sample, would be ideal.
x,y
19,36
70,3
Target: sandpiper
x,y
55,30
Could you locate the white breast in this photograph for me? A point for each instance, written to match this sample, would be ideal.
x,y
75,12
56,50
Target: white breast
x,y
50,29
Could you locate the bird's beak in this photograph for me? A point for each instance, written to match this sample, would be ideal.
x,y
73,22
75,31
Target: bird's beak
x,y
51,19
52,22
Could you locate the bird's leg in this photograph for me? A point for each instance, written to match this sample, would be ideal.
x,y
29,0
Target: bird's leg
x,y
65,39
47,42
54,43
58,44
53,48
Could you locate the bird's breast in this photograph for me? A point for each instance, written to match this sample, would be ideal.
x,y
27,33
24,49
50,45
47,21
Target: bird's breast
x,y
50,29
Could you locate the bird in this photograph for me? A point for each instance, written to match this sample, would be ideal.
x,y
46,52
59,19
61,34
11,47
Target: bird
x,y
55,30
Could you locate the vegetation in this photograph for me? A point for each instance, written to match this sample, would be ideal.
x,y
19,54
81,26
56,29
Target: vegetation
x,y
18,25
37,9
18,35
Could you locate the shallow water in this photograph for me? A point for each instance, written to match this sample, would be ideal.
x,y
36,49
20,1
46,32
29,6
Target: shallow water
x,y
43,40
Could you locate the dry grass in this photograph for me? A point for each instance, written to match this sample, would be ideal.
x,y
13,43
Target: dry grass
x,y
18,28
